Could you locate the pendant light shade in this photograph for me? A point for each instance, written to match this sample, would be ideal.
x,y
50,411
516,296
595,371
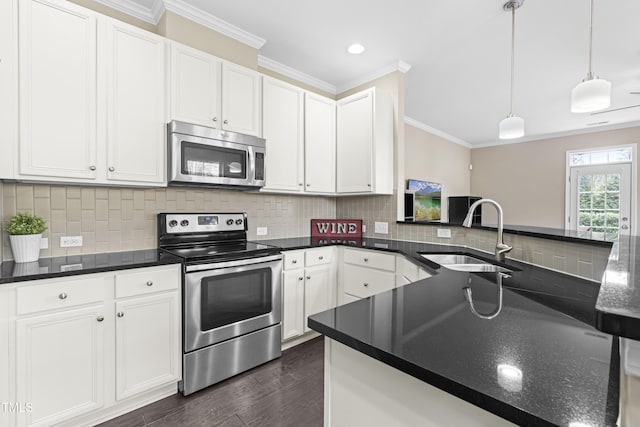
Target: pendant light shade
x,y
512,127
593,94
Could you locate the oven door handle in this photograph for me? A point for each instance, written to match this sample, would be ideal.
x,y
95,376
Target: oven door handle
x,y
236,263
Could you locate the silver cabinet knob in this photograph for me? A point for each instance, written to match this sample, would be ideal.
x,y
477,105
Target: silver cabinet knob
x,y
368,185
120,314
624,218
215,119
366,285
300,278
226,122
111,169
92,168
308,277
366,260
320,257
308,185
149,283
63,296
300,184
625,227
295,261
100,318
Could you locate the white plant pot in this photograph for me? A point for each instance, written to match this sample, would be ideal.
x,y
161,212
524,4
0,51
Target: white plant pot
x,y
25,248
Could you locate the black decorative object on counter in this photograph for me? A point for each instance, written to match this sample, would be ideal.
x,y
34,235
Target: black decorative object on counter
x,y
459,206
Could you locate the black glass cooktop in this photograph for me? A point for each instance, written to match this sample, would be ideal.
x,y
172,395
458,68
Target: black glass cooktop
x,y
218,251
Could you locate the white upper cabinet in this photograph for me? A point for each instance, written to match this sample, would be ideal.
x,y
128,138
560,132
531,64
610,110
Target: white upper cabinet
x,y
319,144
241,90
365,143
91,95
208,91
283,129
195,86
135,104
57,50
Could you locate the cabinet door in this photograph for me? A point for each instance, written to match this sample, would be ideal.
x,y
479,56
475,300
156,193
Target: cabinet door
x,y
59,365
283,131
135,64
355,143
195,86
241,88
57,50
317,292
319,144
148,343
292,304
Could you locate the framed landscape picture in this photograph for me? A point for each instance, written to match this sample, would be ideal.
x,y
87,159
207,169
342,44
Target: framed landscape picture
x,y
427,200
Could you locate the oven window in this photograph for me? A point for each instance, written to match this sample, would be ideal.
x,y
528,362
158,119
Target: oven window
x,y
230,298
206,160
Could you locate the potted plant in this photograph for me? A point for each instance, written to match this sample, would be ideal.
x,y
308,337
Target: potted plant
x,y
25,231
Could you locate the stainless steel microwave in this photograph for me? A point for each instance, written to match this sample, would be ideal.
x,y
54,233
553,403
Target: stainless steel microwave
x,y
203,156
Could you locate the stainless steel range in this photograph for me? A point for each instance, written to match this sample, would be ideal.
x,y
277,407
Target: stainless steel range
x,y
231,295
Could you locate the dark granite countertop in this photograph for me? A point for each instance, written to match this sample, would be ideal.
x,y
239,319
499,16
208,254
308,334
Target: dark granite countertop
x,y
546,330
48,268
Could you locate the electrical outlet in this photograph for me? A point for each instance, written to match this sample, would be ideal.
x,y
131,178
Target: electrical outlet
x,y
70,241
382,227
261,231
44,243
364,228
444,233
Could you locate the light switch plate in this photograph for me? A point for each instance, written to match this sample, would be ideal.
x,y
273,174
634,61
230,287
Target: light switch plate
x,y
382,227
261,231
44,243
444,233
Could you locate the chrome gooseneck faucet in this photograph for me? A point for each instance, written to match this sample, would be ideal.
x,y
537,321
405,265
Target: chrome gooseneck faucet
x,y
501,247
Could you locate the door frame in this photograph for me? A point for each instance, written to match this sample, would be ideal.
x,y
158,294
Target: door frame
x,y
634,182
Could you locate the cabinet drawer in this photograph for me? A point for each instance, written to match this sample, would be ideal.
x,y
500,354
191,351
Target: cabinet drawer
x,y
147,280
293,259
373,259
58,294
318,256
363,282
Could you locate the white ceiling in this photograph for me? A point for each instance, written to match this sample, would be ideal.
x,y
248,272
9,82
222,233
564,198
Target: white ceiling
x,y
459,52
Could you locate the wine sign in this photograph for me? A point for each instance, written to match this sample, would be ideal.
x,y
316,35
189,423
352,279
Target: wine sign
x,y
351,228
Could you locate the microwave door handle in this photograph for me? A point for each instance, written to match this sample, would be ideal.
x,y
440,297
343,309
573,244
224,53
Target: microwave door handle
x,y
251,165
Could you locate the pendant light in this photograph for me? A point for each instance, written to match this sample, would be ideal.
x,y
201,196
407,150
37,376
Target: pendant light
x,y
593,94
512,126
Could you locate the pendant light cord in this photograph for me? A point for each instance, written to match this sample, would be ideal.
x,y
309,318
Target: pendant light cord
x,y
590,75
513,53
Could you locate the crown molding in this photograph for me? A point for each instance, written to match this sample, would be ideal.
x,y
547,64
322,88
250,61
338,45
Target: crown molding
x,y
401,66
135,10
434,131
197,15
285,70
594,129
157,10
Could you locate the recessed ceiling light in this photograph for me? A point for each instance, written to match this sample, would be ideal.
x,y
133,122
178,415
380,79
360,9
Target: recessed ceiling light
x,y
355,49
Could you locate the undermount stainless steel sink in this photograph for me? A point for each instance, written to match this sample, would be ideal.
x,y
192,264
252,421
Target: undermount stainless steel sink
x,y
465,263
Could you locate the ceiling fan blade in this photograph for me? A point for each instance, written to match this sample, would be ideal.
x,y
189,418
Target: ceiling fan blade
x,y
615,109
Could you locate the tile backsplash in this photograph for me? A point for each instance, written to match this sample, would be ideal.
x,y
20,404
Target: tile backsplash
x,y
121,219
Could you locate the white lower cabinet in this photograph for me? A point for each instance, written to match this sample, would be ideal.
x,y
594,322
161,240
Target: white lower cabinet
x,y
60,365
308,288
89,347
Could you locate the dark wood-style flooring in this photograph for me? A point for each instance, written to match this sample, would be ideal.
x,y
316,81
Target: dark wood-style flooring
x,y
284,392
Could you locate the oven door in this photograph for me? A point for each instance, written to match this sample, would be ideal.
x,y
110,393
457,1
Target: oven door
x,y
230,299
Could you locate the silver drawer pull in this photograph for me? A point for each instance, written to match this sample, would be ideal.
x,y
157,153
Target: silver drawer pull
x,y
92,168
308,277
366,260
366,285
320,257
300,278
112,169
226,122
149,283
294,261
120,314
100,318
63,296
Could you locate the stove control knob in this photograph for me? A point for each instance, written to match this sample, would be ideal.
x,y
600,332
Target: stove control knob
x,y
229,222
184,222
238,221
173,223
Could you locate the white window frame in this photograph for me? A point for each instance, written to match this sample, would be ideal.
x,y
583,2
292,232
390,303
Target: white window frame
x,y
634,181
